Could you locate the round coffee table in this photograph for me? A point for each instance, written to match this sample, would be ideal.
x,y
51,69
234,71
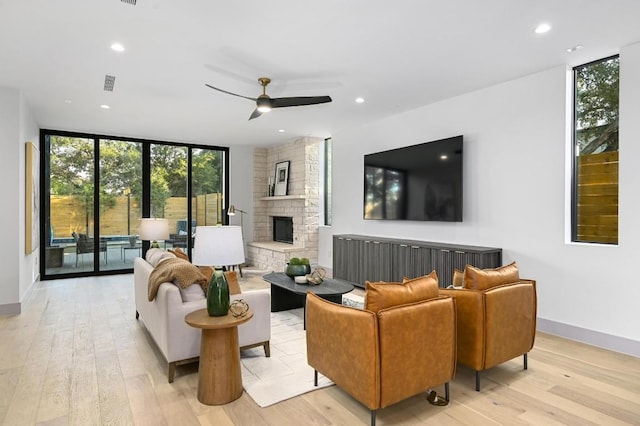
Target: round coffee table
x,y
219,373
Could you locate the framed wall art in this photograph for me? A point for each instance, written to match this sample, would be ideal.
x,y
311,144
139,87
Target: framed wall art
x,y
282,178
32,198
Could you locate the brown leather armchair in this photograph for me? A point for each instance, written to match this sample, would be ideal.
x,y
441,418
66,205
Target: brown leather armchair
x,y
495,324
385,357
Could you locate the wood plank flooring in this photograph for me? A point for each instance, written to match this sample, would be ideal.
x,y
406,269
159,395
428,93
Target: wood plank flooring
x,y
77,356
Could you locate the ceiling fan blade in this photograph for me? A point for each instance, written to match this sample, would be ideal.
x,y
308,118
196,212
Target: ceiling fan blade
x,y
255,114
229,93
299,101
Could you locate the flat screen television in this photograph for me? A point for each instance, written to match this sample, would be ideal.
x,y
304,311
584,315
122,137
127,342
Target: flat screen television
x,y
419,182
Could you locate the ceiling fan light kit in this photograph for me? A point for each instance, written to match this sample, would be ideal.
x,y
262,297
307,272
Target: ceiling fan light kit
x,y
264,103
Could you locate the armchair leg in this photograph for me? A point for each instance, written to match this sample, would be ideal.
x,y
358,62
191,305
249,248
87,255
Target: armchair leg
x,y
267,349
315,377
137,314
446,391
525,361
477,381
172,371
373,417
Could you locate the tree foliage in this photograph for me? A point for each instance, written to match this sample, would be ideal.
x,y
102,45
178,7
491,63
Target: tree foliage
x,y
71,165
597,101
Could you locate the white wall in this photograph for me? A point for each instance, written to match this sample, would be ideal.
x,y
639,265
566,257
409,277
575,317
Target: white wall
x,y
514,197
19,271
241,187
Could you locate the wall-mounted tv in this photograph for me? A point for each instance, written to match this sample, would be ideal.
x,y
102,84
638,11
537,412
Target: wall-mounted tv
x,y
417,182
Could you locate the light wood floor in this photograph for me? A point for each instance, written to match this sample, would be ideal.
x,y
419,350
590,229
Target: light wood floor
x,y
77,356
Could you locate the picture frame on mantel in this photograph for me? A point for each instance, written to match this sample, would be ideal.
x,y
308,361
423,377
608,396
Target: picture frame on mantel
x,y
282,178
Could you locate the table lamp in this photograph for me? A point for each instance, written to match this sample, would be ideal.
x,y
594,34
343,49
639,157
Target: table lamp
x,y
154,229
218,246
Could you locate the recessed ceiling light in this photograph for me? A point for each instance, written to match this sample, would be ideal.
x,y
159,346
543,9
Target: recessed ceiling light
x,y
359,100
444,156
574,48
280,130
105,106
542,28
117,47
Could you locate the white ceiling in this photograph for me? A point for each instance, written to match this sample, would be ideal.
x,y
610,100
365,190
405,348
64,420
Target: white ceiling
x,y
398,55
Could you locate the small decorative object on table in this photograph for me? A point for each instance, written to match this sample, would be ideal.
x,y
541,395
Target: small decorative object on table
x,y
239,308
297,267
218,294
317,276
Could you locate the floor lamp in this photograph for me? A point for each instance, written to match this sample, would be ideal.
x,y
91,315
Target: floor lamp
x,y
232,212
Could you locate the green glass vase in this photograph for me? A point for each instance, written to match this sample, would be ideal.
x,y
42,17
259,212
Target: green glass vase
x,y
218,295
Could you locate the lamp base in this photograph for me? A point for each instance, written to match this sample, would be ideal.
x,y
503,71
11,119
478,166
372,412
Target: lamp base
x,y
154,244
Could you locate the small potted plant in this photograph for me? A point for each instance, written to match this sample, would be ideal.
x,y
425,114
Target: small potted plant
x,y
297,267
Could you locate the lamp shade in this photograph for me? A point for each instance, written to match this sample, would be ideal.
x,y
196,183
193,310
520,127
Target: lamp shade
x,y
218,246
152,229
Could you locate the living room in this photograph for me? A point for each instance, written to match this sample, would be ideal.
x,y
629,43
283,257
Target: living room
x,y
517,185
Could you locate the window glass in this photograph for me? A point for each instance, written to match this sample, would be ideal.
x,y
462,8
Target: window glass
x,y
595,189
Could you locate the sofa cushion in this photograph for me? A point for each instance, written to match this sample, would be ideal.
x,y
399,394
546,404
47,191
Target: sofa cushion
x,y
483,279
381,295
191,293
155,255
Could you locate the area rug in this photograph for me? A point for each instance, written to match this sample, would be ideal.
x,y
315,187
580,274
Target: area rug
x,y
286,373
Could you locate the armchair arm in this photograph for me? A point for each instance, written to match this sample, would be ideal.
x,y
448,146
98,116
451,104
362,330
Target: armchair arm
x,y
510,311
471,326
342,344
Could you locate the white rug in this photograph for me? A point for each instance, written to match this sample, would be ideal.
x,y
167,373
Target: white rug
x,y
286,373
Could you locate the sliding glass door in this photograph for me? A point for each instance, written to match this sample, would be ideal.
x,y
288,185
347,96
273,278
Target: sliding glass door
x,y
96,190
120,203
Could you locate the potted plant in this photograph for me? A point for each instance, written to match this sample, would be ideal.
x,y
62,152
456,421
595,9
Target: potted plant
x,y
296,267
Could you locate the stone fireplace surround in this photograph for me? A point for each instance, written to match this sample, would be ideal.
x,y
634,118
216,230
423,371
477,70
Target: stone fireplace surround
x,y
301,204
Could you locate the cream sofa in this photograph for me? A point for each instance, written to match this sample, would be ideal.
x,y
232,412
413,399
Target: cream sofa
x,y
180,343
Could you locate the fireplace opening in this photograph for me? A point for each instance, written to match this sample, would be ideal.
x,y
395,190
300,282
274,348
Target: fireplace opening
x,y
283,229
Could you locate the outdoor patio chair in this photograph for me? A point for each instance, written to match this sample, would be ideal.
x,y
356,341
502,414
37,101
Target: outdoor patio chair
x,y
84,244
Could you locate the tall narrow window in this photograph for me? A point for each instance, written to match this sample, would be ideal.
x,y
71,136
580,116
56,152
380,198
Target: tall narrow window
x,y
328,149
595,183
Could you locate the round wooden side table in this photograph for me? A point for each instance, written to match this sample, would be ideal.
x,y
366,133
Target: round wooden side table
x,y
219,373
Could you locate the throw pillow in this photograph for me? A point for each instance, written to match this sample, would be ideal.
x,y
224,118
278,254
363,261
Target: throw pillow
x,y
483,279
234,284
381,295
179,253
458,277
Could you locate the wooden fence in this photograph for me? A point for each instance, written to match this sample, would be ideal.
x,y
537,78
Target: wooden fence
x,y
68,214
597,210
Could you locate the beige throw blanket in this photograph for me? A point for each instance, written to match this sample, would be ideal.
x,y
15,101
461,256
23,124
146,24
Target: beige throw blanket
x,y
178,271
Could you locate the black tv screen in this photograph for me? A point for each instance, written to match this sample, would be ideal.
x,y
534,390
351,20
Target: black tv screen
x,y
417,182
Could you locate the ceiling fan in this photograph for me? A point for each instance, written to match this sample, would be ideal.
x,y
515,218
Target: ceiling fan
x,y
264,103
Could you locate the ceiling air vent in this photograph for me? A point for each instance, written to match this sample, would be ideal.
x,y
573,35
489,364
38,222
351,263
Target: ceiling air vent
x,y
133,2
109,81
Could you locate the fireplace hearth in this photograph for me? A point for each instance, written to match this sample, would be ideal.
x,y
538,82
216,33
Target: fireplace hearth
x,y
283,229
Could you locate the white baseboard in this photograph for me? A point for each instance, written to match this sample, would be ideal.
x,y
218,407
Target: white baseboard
x,y
10,309
594,338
